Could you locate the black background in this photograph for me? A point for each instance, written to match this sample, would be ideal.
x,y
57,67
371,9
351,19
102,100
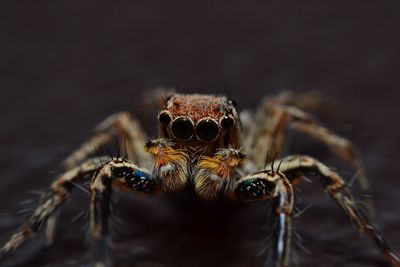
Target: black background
x,y
66,65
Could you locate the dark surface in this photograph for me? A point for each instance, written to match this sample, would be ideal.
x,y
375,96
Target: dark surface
x,y
65,66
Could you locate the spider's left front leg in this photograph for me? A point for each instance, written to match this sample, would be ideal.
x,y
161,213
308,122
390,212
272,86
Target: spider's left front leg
x,y
297,167
219,174
271,185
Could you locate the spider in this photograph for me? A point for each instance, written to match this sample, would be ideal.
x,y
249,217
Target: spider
x,y
203,148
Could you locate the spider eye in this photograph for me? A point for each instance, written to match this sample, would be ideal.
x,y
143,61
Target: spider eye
x,y
164,118
182,128
207,130
227,122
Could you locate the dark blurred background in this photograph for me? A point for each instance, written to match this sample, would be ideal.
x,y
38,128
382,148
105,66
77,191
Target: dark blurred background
x,y
65,65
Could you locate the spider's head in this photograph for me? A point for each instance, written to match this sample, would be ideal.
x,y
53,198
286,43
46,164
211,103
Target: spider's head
x,y
200,122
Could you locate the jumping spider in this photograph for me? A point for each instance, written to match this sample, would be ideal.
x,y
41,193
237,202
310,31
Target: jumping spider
x,y
199,150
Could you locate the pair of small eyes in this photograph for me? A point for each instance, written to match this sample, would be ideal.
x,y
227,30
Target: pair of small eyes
x,y
207,129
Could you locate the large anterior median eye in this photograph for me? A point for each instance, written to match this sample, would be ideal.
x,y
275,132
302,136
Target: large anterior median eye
x,y
207,130
182,128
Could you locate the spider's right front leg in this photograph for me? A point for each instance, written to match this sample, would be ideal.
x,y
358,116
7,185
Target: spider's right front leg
x,y
170,174
125,176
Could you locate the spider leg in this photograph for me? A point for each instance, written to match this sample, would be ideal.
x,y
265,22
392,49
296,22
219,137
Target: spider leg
x,y
309,100
219,174
171,172
269,138
271,185
121,124
132,138
272,123
60,191
297,167
120,174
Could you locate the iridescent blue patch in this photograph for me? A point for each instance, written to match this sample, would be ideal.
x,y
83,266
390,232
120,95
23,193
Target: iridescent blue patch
x,y
137,180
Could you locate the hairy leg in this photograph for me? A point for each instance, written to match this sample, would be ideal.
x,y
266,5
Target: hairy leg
x,y
251,122
296,168
309,100
170,174
125,176
132,138
268,136
273,186
60,191
219,173
119,173
123,125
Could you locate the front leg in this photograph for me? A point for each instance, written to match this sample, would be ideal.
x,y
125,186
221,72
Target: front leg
x,y
297,167
270,185
125,176
218,174
170,174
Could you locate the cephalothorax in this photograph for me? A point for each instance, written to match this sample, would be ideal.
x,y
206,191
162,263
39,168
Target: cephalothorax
x,y
202,146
